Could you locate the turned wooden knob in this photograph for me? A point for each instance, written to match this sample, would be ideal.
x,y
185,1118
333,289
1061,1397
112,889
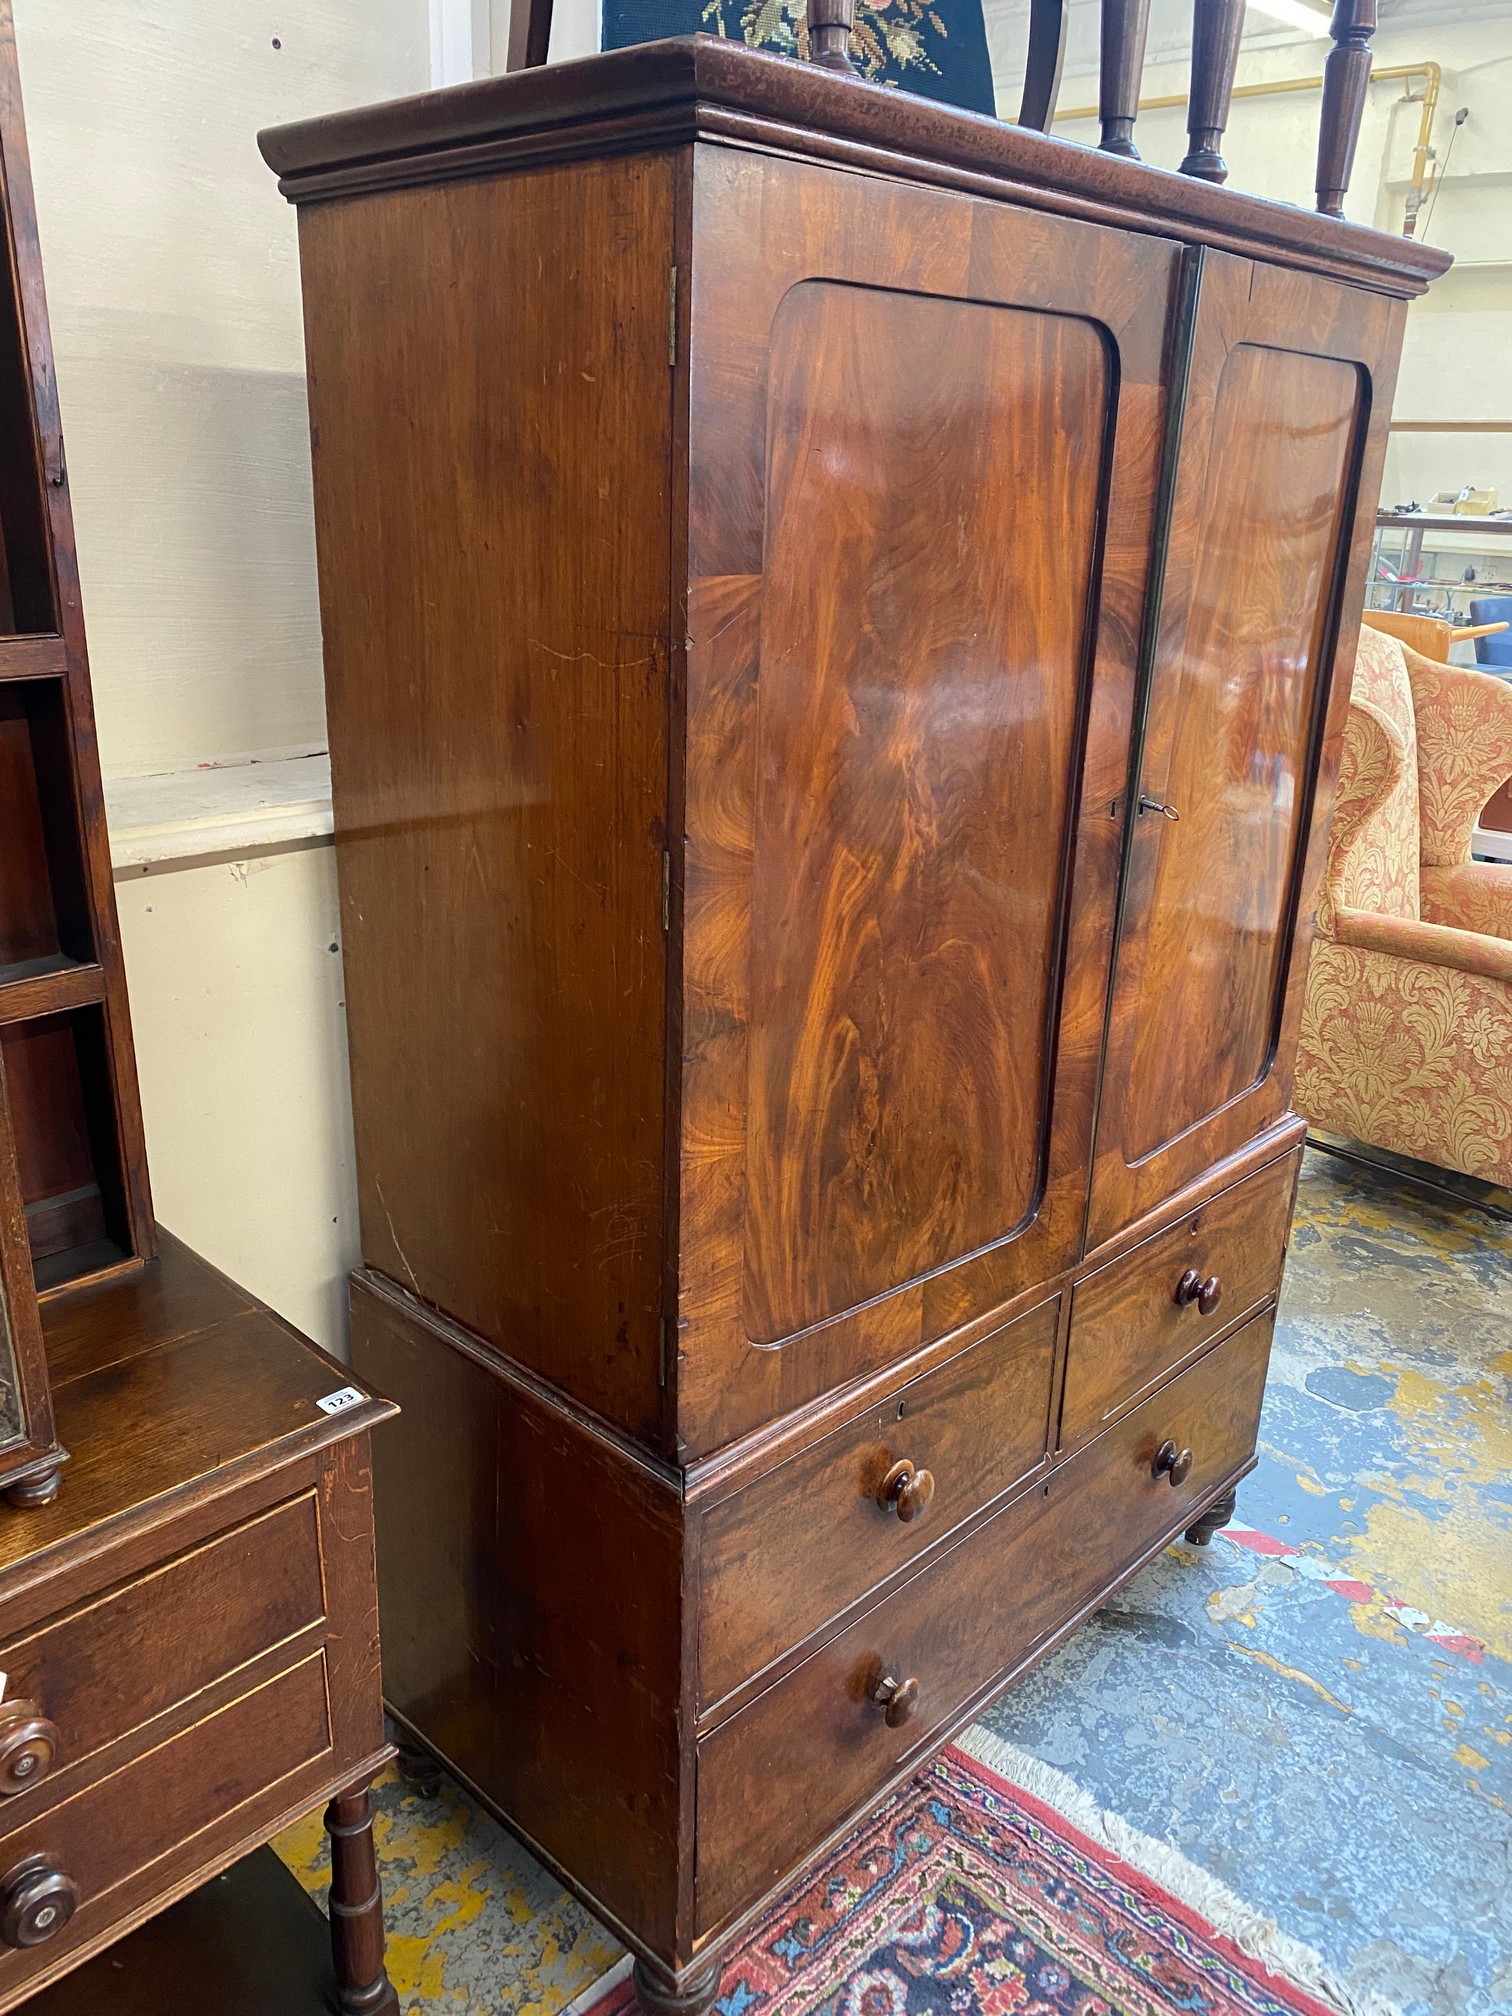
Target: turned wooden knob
x,y
1173,1464
36,1902
1206,1294
28,1746
899,1698
906,1491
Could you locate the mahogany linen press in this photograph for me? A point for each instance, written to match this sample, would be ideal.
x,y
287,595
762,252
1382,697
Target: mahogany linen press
x,y
838,620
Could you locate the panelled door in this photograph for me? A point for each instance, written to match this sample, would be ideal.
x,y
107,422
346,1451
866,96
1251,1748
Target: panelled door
x,y
1276,481
924,448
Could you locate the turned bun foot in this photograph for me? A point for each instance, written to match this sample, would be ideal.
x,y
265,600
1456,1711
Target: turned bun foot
x,y
1217,1515
659,1995
40,1489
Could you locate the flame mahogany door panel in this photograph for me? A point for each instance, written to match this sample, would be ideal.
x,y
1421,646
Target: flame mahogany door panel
x,y
1281,442
914,417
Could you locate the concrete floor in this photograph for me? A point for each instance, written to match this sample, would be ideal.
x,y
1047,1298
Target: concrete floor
x,y
1317,1709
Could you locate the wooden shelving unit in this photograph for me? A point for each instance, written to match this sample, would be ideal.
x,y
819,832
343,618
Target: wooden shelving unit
x,y
65,1046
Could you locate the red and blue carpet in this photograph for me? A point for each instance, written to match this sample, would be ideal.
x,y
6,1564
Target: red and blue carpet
x,y
965,1896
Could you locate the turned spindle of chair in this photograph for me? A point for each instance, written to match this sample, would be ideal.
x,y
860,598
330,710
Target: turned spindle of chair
x,y
1346,77
1216,28
1124,25
829,33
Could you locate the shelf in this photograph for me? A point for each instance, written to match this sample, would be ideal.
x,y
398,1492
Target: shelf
x,y
33,658
48,986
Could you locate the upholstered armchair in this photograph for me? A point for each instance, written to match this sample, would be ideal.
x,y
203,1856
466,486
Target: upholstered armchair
x,y
1407,1028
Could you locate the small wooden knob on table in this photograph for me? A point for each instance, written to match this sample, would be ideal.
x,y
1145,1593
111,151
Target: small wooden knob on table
x,y
36,1902
898,1698
1174,1464
906,1491
28,1746
1206,1293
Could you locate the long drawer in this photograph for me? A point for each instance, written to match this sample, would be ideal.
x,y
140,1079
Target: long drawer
x,y
176,1801
778,1777
805,1540
98,1674
1147,1313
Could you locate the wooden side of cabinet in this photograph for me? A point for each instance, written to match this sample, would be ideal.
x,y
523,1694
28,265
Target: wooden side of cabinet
x,y
531,1579
923,445
1246,685
492,454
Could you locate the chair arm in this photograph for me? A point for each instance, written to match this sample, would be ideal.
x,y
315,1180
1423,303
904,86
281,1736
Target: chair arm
x,y
1475,896
1375,754
1464,726
1428,944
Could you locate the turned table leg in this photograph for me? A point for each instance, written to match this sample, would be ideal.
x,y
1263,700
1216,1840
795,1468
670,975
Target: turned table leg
x,y
1218,1514
362,1986
659,1996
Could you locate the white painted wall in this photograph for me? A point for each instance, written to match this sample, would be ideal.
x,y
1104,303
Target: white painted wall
x,y
236,998
173,284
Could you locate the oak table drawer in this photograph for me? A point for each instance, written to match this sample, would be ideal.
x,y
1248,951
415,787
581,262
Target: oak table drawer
x,y
1147,1313
96,1672
784,1773
803,1541
186,1791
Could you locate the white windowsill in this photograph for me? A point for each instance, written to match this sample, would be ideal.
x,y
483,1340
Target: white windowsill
x,y
218,813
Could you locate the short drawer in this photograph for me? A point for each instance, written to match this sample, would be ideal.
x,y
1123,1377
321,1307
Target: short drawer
x,y
1144,1315
185,1795
803,1541
110,1666
780,1776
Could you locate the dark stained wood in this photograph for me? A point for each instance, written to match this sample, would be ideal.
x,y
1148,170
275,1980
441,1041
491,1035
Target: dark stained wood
x,y
356,1908
581,1751
829,34
1125,24
1216,28
1346,85
529,33
879,1203
784,1012
805,1540
249,1943
1043,62
1132,1324
779,1778
56,894
214,1494
29,1449
903,960
101,1668
1251,660
528,778
666,94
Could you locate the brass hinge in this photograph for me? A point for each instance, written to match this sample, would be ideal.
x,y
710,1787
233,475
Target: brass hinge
x,y
666,890
662,1353
672,317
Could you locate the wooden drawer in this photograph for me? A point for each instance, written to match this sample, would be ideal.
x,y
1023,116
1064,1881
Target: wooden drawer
x,y
802,1542
100,1671
778,1778
186,1794
1129,1331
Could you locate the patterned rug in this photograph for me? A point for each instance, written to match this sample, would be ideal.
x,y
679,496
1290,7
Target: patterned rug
x,y
964,1896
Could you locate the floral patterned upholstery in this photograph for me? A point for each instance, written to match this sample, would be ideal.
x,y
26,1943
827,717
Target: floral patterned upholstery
x,y
1407,1027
